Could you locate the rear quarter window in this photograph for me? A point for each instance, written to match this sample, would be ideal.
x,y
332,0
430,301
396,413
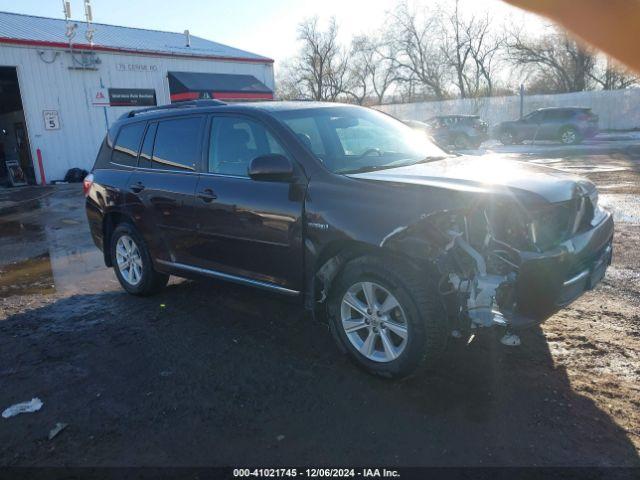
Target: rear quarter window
x,y
125,151
104,155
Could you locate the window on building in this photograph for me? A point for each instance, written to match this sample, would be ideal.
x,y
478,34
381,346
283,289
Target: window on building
x,y
125,151
177,145
235,141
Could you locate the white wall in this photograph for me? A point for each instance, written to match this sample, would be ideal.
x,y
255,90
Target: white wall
x,y
53,86
618,109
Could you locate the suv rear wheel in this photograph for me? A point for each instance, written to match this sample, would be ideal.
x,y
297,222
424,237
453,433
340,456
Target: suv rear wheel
x,y
463,141
569,136
132,263
389,319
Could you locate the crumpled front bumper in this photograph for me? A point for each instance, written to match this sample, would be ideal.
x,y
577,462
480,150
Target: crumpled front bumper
x,y
551,280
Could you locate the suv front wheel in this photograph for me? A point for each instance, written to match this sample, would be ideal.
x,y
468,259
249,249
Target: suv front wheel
x,y
389,319
132,262
507,137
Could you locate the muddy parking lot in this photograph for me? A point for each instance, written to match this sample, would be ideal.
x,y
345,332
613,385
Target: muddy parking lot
x,y
213,374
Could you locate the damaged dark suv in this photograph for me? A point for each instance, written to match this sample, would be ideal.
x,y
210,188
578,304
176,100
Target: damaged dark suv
x,y
357,216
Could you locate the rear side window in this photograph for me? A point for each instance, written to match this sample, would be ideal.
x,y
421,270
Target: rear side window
x,y
125,151
558,115
177,145
147,147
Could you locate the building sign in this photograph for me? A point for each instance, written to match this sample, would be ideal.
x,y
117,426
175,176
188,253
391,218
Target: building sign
x,y
136,67
51,120
132,97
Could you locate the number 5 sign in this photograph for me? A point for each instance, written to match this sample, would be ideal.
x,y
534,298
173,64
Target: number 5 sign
x,y
51,120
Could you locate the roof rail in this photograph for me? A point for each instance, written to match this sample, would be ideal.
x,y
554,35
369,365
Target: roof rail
x,y
186,104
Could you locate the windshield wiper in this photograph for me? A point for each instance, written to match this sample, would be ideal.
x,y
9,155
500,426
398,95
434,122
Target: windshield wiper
x,y
430,159
366,168
371,168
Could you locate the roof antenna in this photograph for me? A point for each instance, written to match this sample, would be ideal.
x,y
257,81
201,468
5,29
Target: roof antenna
x,y
89,16
71,27
188,35
66,9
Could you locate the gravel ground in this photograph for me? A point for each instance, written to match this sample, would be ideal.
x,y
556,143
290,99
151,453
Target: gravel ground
x,y
213,374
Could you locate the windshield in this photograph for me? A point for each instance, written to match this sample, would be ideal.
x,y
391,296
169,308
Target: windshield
x,y
354,139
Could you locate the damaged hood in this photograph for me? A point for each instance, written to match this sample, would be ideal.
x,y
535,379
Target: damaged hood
x,y
487,174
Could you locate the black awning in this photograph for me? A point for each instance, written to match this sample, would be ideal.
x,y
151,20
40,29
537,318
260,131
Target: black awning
x,y
190,85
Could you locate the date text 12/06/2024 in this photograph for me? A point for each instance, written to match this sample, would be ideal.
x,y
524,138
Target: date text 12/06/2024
x,y
315,473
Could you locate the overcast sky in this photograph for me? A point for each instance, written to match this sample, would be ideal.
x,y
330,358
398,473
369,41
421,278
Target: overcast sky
x,y
266,27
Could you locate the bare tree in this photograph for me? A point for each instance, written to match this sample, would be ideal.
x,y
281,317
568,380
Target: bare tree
x,y
372,69
485,47
288,86
359,70
417,53
322,63
457,48
554,59
611,76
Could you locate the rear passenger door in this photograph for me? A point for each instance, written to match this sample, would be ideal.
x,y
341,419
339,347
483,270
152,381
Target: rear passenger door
x,y
247,228
163,186
551,123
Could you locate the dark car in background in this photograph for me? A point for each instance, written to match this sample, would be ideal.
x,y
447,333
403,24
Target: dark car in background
x,y
569,125
348,211
460,131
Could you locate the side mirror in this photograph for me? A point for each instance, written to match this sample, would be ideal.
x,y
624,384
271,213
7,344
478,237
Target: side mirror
x,y
271,168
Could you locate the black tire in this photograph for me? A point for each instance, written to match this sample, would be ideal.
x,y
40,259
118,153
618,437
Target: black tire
x,y
423,308
507,137
569,136
151,281
463,141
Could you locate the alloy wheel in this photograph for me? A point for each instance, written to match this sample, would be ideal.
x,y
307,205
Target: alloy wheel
x,y
129,260
568,136
374,322
507,138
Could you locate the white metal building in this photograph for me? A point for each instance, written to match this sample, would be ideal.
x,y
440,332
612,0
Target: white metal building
x,y
57,97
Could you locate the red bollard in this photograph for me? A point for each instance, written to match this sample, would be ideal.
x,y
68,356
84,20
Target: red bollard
x,y
43,180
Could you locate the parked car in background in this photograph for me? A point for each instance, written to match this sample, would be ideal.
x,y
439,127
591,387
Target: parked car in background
x,y
460,131
569,125
365,222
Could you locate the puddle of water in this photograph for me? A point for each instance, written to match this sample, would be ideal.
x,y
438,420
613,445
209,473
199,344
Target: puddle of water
x,y
15,228
591,168
625,207
616,185
33,276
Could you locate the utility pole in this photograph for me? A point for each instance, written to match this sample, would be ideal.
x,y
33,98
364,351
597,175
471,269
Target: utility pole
x,y
521,100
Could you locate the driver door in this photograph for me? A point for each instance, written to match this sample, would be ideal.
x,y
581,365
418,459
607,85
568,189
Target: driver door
x,y
247,228
529,129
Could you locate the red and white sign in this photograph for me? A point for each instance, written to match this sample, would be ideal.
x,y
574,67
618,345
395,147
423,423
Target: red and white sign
x,y
100,97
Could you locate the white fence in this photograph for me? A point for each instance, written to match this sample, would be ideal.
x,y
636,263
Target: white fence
x,y
618,109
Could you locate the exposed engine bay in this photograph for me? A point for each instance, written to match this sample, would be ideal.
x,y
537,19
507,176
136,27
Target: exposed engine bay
x,y
485,248
502,259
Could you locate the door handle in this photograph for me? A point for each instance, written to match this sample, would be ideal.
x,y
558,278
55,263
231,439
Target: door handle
x,y
207,195
136,187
